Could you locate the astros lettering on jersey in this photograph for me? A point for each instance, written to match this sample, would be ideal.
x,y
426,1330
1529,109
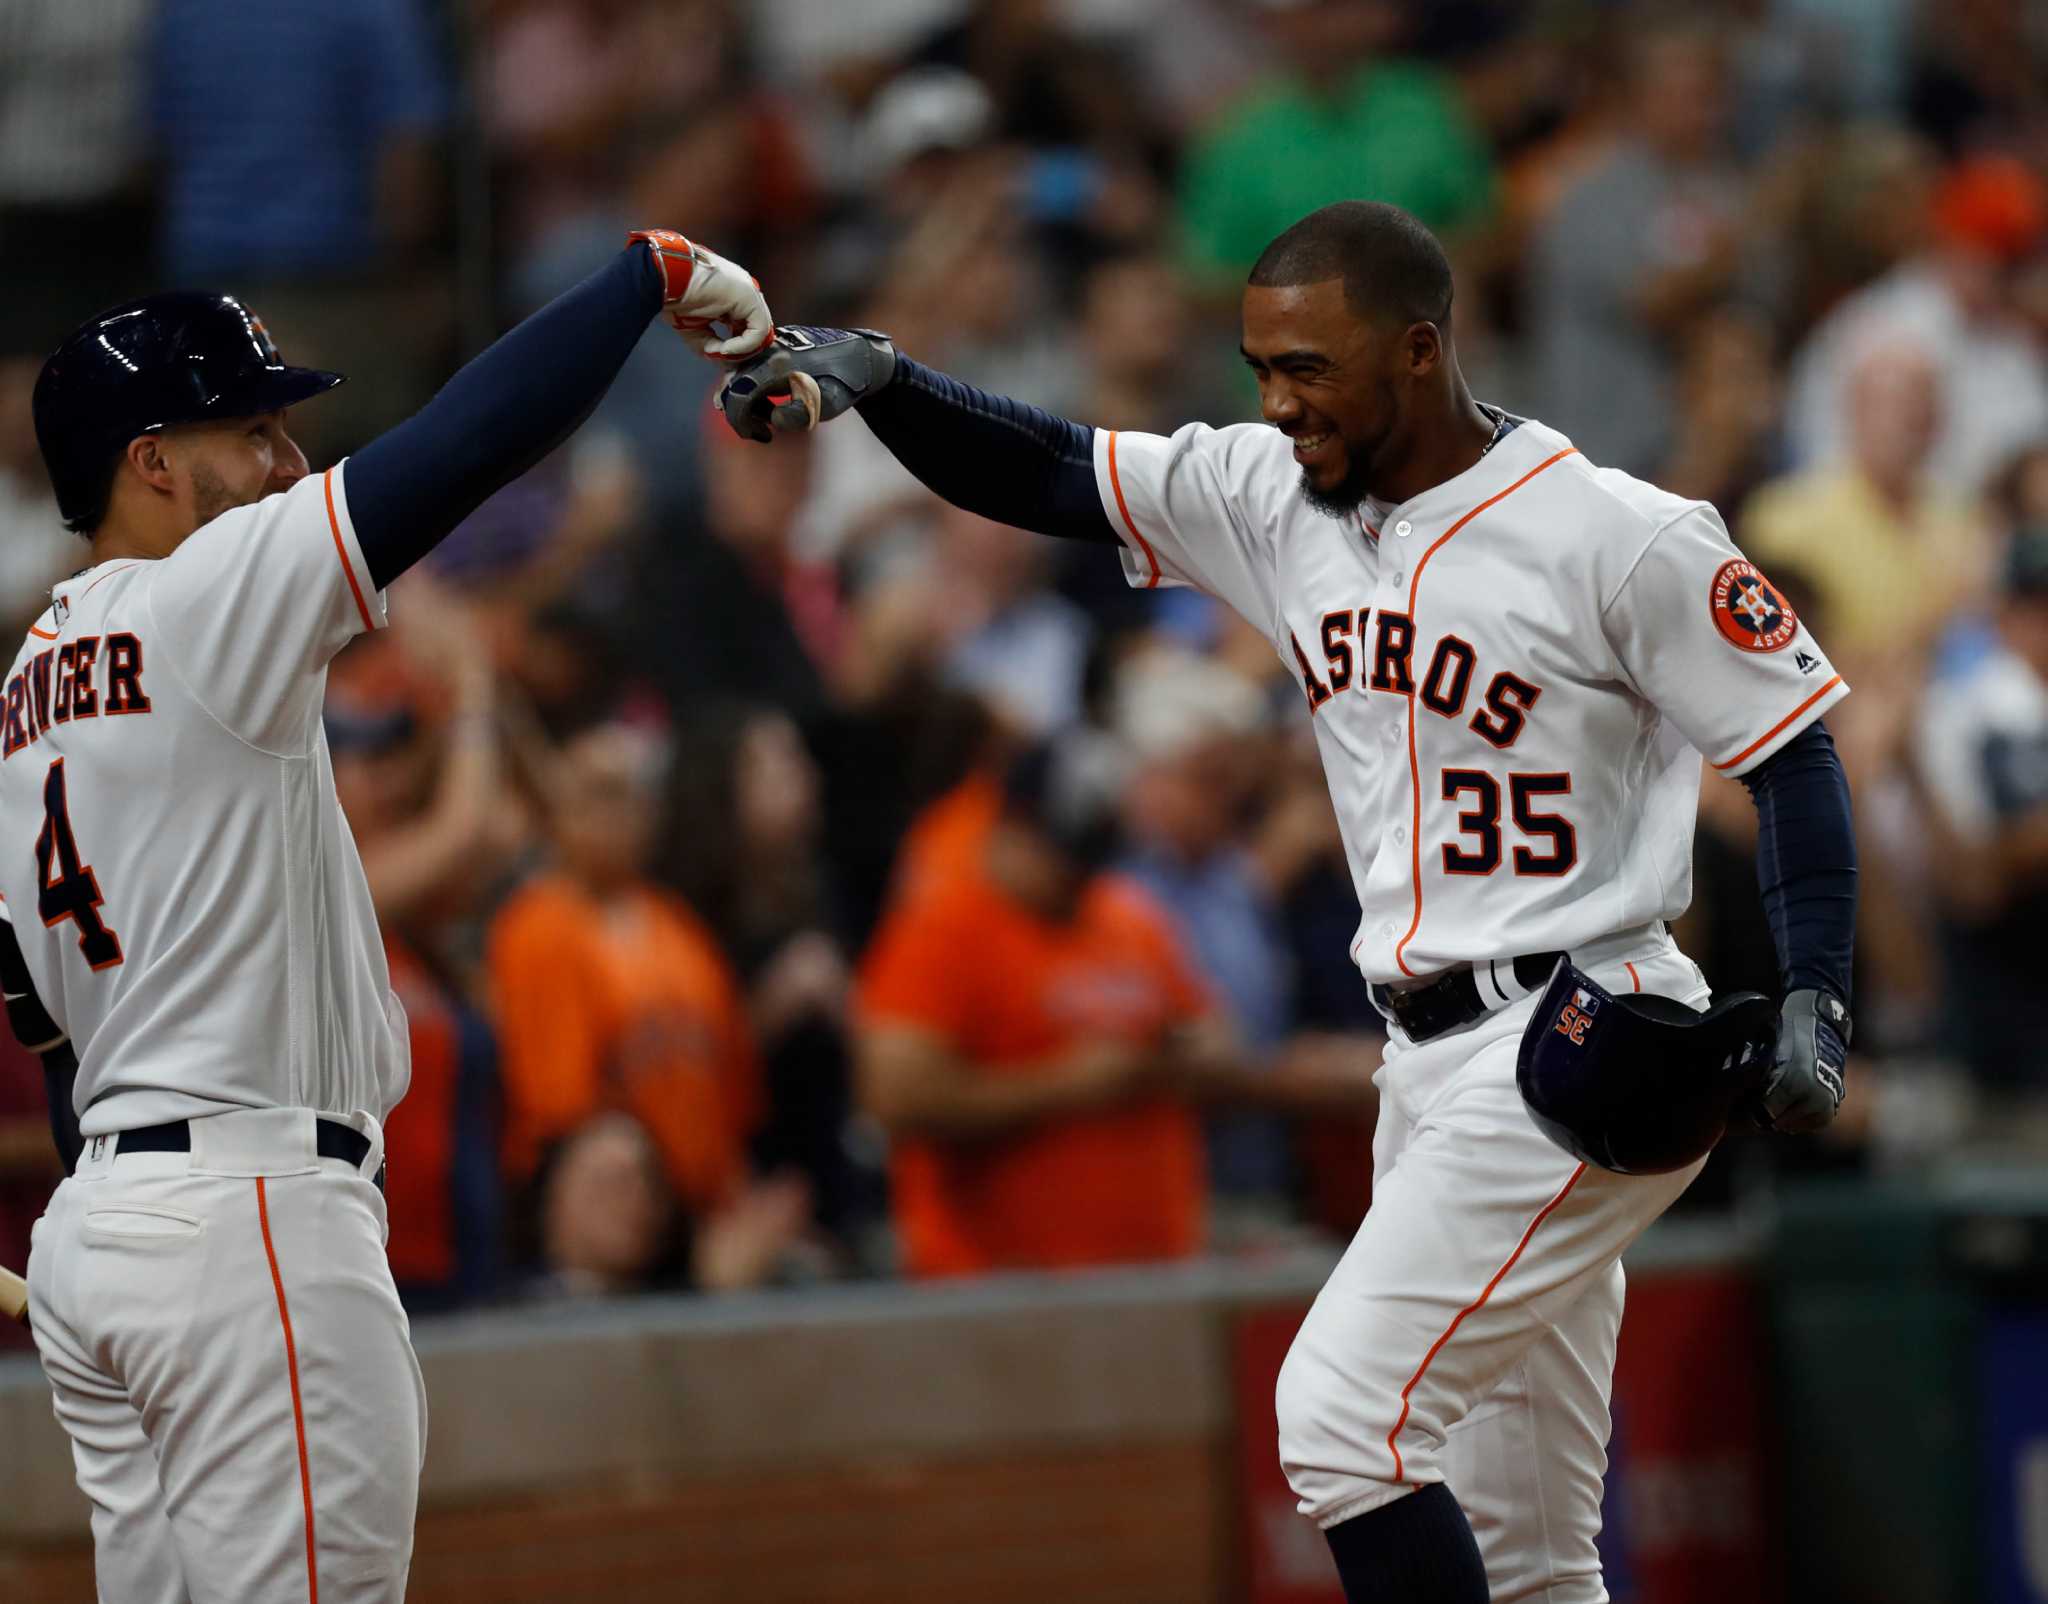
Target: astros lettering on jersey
x,y
1511,675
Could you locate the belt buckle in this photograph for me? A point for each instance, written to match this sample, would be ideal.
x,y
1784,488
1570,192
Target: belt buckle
x,y
1408,1009
1402,1005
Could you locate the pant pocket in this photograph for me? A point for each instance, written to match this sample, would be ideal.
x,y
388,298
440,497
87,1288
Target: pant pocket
x,y
139,1221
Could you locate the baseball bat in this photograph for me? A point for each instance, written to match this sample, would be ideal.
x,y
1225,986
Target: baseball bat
x,y
13,1296
804,388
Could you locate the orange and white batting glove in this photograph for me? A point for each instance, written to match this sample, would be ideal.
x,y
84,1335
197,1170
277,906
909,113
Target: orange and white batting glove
x,y
701,288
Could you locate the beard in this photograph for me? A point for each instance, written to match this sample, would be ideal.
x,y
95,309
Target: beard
x,y
1343,498
210,495
1361,465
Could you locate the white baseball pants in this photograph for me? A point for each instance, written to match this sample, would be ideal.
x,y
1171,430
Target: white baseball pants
x,y
229,1356
1467,1336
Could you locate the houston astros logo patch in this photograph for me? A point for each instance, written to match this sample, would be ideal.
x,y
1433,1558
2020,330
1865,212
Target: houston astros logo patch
x,y
1748,610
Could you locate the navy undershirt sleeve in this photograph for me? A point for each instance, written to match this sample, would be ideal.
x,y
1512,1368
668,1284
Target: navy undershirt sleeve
x,y
1806,861
60,1076
1001,458
503,412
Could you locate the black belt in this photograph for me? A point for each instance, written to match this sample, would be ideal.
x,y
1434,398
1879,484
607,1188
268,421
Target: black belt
x,y
1461,996
331,1139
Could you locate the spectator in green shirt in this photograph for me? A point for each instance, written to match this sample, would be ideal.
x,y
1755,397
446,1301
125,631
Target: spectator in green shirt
x,y
1339,123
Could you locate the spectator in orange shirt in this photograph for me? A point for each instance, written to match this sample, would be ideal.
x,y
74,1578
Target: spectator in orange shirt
x,y
1029,1034
947,841
613,997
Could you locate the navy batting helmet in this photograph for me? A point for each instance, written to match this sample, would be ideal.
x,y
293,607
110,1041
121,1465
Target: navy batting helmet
x,y
186,356
1640,1084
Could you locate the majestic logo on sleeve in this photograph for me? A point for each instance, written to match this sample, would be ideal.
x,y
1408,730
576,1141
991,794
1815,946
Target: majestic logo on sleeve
x,y
1748,611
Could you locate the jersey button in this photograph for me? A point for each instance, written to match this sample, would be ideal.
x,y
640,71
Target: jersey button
x,y
1397,577
1404,529
1400,835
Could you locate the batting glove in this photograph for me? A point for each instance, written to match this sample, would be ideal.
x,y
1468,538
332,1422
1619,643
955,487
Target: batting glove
x,y
700,288
806,376
1804,1087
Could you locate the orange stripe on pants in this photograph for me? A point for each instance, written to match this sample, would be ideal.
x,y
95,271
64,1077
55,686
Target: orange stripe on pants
x,y
1474,1306
291,1360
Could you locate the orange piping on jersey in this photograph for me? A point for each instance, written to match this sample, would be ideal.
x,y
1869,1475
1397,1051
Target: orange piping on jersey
x,y
291,1361
40,634
1635,981
1116,484
109,574
1771,734
1414,773
341,550
1477,1303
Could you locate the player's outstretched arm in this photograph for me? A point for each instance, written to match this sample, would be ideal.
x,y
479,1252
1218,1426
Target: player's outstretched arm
x,y
1001,458
1806,869
522,397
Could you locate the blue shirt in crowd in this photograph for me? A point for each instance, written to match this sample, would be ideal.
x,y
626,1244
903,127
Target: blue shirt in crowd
x,y
1234,936
270,121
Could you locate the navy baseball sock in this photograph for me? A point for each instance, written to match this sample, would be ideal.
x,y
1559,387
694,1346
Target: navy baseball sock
x,y
1416,1550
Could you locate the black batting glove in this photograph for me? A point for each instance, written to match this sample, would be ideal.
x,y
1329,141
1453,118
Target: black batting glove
x,y
1804,1087
805,377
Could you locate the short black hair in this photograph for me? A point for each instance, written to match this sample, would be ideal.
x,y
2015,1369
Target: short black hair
x,y
1391,265
87,525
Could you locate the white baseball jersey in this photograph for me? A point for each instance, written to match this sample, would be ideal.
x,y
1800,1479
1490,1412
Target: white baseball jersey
x,y
1513,675
187,895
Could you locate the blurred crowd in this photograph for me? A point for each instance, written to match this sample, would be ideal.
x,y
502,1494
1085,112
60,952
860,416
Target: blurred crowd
x,y
790,877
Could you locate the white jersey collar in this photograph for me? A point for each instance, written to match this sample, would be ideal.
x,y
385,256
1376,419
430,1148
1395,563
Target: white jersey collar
x,y
72,586
1525,447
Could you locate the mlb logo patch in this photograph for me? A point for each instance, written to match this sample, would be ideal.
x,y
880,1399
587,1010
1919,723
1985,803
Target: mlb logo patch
x,y
61,606
1585,1001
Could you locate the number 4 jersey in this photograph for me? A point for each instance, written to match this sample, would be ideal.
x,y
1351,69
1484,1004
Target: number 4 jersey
x,y
1512,676
187,896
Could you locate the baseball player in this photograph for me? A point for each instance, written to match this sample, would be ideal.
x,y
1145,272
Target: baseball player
x,y
1515,661
209,1289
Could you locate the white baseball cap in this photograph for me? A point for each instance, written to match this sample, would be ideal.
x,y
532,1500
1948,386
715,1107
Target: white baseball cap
x,y
925,109
1169,701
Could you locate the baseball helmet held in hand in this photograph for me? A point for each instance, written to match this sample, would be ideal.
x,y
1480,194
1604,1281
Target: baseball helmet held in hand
x,y
185,356
1640,1084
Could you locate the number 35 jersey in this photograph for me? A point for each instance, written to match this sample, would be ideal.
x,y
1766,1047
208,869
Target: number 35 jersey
x,y
1513,676
187,896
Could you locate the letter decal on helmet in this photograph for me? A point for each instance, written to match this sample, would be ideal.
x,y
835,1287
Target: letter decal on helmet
x,y
1576,1018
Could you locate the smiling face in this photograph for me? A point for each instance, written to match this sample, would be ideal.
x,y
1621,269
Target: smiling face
x,y
206,469
1334,382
